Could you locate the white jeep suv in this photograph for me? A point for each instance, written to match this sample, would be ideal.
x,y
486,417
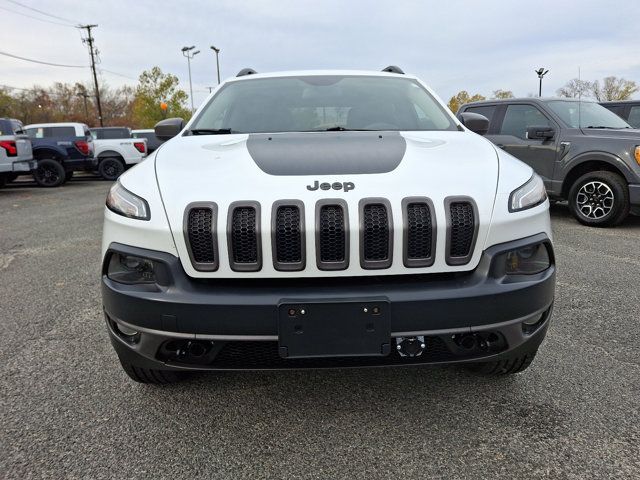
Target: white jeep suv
x,y
326,219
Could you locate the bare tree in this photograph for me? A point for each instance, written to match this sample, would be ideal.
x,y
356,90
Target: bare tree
x,y
576,88
614,88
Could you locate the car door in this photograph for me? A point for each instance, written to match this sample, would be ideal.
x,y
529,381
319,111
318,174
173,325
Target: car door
x,y
511,136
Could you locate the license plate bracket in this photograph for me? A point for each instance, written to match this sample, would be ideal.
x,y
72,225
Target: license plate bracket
x,y
334,328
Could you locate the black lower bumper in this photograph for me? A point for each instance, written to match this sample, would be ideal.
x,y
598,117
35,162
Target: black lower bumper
x,y
237,320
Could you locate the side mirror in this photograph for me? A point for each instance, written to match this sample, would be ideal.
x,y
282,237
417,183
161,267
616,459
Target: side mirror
x,y
475,122
168,128
540,133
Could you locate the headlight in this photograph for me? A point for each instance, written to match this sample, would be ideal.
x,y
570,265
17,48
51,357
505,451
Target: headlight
x,y
130,269
527,260
637,154
123,202
528,195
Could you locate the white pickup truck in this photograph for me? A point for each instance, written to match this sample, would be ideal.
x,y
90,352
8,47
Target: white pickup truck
x,y
116,150
16,155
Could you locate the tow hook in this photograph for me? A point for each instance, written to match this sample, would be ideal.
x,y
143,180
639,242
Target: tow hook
x,y
410,346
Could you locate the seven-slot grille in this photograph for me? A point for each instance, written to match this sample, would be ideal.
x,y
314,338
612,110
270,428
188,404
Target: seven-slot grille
x,y
244,239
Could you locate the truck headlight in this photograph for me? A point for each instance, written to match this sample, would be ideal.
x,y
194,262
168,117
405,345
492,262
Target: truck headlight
x,y
123,202
527,260
130,269
528,195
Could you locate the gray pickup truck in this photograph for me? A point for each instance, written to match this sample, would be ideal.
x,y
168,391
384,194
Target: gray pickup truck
x,y
584,153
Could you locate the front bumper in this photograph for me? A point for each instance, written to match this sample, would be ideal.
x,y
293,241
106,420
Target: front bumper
x,y
237,320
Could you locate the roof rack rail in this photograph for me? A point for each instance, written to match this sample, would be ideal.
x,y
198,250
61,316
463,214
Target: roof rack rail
x,y
246,71
393,69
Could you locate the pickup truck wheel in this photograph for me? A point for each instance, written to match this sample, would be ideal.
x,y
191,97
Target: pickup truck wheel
x,y
599,199
110,168
49,173
507,366
150,376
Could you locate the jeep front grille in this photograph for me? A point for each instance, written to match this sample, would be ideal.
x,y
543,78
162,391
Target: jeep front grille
x,y
243,234
462,231
288,236
419,232
376,234
330,230
332,240
199,230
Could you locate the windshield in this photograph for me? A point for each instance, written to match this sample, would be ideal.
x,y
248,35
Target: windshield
x,y
321,103
586,115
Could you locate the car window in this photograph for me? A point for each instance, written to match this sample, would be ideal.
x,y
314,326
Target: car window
x,y
318,103
16,126
486,110
617,109
59,132
634,116
114,133
586,114
519,117
35,132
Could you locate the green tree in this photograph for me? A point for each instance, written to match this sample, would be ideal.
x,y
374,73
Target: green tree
x,y
614,88
154,88
502,94
461,98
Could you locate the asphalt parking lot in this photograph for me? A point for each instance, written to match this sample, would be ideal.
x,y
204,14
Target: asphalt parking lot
x,y
68,411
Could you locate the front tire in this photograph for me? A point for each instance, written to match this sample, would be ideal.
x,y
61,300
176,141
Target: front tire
x,y
149,375
508,366
49,173
599,199
110,168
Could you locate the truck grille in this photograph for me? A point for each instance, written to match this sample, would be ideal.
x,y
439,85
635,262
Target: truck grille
x,y
288,246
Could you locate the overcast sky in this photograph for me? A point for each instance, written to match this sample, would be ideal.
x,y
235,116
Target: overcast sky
x,y
453,45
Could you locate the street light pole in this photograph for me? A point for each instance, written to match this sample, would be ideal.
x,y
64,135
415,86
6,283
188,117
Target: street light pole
x,y
541,73
217,50
186,51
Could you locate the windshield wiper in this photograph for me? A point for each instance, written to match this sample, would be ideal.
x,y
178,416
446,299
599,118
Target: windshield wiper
x,y
601,126
211,131
343,129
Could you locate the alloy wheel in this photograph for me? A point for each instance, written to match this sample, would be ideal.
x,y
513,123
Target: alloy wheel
x,y
595,200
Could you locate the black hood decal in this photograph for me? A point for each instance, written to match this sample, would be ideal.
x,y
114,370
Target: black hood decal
x,y
327,153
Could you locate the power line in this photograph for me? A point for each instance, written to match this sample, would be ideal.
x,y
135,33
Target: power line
x,y
36,18
116,73
41,62
41,12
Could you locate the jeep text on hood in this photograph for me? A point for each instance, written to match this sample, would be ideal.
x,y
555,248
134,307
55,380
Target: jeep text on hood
x,y
322,215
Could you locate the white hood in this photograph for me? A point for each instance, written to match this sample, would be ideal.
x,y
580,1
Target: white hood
x,y
221,169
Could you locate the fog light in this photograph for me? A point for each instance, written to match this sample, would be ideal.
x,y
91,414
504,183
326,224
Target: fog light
x,y
130,269
527,260
129,332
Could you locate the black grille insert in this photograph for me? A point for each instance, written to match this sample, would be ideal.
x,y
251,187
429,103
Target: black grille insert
x,y
331,236
420,233
288,236
199,229
376,238
463,227
244,236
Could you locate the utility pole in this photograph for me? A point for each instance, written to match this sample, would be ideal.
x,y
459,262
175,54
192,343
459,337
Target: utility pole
x,y
92,52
